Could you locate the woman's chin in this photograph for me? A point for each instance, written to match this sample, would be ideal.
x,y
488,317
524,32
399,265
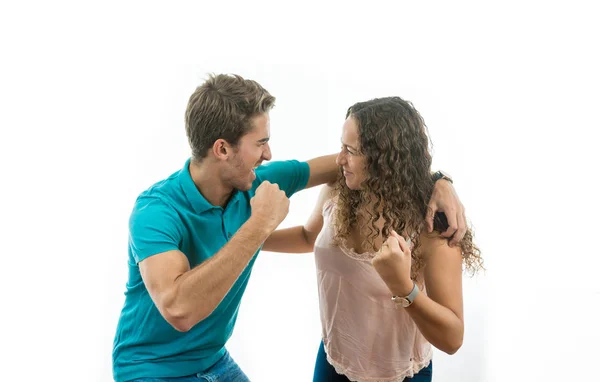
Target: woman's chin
x,y
351,185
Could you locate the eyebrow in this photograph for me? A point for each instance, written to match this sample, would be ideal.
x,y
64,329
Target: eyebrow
x,y
264,140
353,148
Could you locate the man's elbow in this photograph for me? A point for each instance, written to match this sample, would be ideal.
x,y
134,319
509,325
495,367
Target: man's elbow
x,y
180,325
181,319
178,319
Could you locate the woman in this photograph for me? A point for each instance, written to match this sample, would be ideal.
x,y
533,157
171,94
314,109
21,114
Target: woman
x,y
388,289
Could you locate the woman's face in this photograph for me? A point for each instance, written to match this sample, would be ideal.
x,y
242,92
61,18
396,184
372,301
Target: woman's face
x,y
352,162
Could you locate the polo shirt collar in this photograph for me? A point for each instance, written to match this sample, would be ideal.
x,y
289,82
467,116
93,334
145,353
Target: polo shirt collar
x,y
196,199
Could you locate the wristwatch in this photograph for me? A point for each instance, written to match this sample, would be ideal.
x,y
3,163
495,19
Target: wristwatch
x,y
405,302
441,175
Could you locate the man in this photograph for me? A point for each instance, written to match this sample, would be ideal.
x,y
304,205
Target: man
x,y
194,236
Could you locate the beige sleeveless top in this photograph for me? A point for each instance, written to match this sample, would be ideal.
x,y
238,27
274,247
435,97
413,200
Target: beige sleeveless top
x,y
366,338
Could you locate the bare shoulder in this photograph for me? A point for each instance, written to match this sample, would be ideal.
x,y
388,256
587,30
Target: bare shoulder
x,y
434,246
443,272
325,194
315,221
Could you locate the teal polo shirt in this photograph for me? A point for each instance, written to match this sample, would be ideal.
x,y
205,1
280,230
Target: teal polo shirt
x,y
173,215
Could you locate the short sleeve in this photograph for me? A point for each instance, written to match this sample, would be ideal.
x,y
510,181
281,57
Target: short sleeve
x,y
291,176
154,227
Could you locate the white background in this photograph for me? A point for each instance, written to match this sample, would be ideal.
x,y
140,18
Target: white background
x,y
92,98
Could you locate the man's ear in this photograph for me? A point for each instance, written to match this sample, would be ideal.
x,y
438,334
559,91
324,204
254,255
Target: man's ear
x,y
222,150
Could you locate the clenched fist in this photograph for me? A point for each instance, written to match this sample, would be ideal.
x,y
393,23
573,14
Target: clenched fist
x,y
269,205
393,264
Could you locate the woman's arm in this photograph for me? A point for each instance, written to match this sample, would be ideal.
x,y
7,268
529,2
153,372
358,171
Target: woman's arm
x,y
300,239
439,314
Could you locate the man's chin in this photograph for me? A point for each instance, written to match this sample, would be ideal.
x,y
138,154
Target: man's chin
x,y
244,187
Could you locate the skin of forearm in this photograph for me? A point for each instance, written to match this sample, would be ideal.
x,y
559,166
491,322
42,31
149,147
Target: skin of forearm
x,y
289,240
199,291
438,324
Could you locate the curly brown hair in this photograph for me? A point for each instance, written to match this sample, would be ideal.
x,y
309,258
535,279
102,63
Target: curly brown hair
x,y
393,139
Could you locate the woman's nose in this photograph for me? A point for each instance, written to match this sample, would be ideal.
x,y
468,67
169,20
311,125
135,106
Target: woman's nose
x,y
340,159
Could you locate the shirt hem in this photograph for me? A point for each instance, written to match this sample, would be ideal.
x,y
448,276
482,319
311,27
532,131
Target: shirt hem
x,y
166,370
399,377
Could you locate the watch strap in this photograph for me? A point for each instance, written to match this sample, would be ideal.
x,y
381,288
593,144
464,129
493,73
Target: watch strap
x,y
441,175
406,301
413,293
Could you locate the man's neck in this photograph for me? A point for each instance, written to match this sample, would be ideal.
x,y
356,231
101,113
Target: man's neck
x,y
207,179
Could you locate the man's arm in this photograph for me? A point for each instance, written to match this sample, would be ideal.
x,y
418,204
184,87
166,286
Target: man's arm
x,y
322,170
187,296
444,198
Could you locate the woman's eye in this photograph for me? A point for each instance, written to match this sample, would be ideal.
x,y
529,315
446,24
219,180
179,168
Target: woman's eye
x,y
344,148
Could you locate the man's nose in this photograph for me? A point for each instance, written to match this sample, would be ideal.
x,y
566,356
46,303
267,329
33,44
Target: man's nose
x,y
267,152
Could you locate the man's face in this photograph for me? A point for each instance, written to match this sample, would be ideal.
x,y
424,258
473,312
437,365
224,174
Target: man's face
x,y
349,158
252,149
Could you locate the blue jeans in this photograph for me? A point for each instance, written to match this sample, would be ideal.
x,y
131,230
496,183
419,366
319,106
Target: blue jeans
x,y
225,370
324,372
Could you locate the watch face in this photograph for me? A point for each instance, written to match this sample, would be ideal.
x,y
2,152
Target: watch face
x,y
402,302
